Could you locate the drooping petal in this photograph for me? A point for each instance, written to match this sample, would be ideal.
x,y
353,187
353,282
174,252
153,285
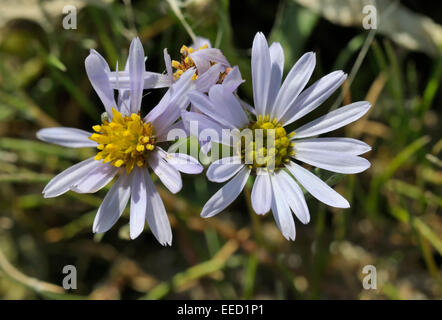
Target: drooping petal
x,y
223,169
261,72
333,161
277,68
316,187
113,204
262,193
96,179
65,180
66,137
313,96
333,120
156,214
98,76
293,84
168,175
138,203
281,211
344,145
182,162
293,195
226,195
137,68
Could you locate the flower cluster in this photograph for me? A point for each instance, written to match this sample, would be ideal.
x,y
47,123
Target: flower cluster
x,y
202,89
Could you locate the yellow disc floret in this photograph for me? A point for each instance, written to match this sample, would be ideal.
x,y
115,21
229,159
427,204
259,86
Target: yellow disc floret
x,y
265,144
186,62
125,141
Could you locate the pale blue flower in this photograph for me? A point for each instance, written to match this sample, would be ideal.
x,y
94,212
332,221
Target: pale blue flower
x,y
277,105
128,160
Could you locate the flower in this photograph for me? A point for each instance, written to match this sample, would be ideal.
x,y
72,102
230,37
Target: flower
x,y
270,149
211,68
210,63
128,146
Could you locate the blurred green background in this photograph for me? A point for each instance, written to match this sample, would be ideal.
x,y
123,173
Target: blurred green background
x,y
394,222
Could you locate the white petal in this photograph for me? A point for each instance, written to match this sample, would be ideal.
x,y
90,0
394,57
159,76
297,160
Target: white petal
x,y
229,106
333,120
293,195
281,211
262,193
261,72
137,68
66,137
202,102
156,214
96,179
153,80
247,106
200,42
204,58
113,204
233,79
293,84
313,96
168,63
317,188
223,169
205,146
124,101
205,81
168,175
174,101
205,124
344,145
103,64
226,195
98,76
277,68
65,180
164,136
121,80
333,161
182,162
138,203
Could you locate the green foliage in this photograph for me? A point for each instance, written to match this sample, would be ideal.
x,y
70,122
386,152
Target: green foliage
x,y
394,221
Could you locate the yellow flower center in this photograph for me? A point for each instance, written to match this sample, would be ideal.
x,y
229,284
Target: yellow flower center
x,y
186,62
125,141
265,144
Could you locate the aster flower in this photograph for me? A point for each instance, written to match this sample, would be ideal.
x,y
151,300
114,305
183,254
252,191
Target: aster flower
x,y
129,146
277,152
210,63
212,68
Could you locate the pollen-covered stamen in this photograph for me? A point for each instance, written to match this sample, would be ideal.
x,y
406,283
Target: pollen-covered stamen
x,y
265,144
186,62
125,141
